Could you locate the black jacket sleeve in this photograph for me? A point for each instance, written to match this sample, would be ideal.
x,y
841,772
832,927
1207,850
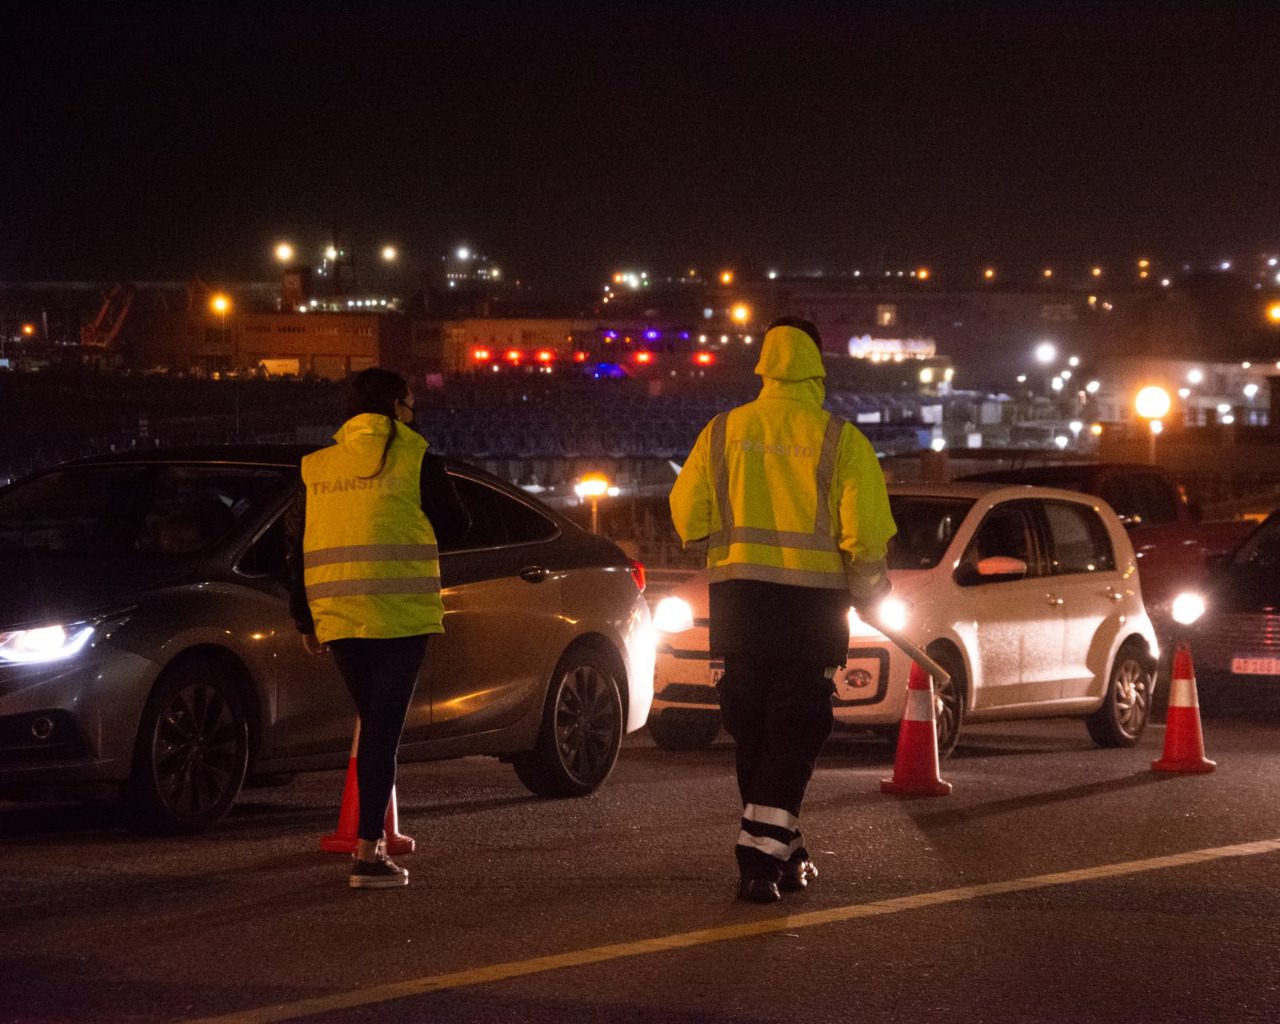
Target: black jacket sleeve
x,y
295,519
440,502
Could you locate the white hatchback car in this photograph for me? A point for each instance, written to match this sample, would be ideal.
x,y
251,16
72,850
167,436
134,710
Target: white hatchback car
x,y
1027,596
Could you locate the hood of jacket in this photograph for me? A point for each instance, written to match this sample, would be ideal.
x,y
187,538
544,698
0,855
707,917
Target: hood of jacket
x,y
368,431
791,366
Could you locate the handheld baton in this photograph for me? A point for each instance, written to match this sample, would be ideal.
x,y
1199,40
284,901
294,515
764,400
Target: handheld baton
x,y
939,674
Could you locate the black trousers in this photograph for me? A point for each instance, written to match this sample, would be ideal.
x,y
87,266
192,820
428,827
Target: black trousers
x,y
778,711
381,676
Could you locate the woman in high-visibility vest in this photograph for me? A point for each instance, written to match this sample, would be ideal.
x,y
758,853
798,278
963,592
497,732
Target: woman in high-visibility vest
x,y
368,589
792,504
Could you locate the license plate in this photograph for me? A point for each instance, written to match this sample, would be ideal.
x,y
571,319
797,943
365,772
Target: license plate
x,y
715,671
1256,666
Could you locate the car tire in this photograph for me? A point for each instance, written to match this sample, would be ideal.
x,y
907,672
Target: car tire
x,y
192,750
581,731
948,700
684,730
1126,708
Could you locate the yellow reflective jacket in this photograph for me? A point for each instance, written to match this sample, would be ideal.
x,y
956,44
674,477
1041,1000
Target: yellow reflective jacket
x,y
369,556
781,490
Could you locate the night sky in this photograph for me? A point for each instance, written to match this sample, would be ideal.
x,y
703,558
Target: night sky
x,y
157,141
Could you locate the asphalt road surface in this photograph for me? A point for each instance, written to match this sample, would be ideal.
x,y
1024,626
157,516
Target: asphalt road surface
x,y
1058,883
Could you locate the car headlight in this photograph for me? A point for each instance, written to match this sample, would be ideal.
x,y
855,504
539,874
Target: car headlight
x,y
1187,607
673,615
43,644
893,611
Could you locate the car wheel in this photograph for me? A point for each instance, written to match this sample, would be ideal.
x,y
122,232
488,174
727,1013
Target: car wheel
x,y
684,730
1126,708
192,750
948,700
581,729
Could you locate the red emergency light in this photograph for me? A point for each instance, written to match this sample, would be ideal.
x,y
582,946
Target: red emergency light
x,y
704,358
644,357
579,357
481,355
513,356
545,355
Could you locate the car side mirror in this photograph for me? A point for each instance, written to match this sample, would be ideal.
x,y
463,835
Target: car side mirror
x,y
996,569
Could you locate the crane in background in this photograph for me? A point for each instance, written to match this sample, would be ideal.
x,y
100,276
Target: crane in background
x,y
103,330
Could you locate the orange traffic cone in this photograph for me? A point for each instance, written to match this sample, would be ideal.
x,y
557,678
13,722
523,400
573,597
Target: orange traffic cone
x,y
344,838
1183,740
915,768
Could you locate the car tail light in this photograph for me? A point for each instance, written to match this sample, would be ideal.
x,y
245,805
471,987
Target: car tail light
x,y
637,573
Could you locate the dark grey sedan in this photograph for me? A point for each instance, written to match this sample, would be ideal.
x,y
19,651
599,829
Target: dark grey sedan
x,y
145,638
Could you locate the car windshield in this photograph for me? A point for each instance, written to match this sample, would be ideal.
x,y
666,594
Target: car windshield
x,y
111,511
1262,548
925,527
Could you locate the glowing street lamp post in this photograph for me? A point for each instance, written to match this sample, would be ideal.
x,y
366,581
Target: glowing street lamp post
x,y
593,486
1152,404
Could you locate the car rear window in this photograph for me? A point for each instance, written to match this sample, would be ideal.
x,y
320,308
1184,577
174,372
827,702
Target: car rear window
x,y
497,519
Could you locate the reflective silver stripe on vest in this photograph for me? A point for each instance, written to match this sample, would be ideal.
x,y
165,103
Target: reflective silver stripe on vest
x,y
720,476
822,537
826,473
371,553
775,538
368,588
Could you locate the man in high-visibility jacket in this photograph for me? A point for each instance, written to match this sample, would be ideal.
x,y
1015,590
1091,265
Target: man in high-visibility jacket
x,y
792,504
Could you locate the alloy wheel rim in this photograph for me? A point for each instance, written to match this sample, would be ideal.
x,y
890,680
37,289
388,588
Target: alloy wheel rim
x,y
944,710
195,750
1133,696
587,723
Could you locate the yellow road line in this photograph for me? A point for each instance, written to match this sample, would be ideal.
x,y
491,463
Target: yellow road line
x,y
686,940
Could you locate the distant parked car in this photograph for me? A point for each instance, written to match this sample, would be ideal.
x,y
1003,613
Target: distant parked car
x,y
1172,540
145,637
1235,641
1028,597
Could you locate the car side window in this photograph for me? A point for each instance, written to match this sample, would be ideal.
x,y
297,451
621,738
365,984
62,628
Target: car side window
x,y
265,556
497,519
1004,533
1078,539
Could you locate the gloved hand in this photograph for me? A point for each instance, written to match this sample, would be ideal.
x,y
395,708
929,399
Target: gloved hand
x,y
867,591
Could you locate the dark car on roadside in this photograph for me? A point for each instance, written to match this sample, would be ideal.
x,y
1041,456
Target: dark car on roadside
x,y
1173,541
1235,641
146,641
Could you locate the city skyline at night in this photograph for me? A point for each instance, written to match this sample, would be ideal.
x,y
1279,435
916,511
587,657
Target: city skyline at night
x,y
154,141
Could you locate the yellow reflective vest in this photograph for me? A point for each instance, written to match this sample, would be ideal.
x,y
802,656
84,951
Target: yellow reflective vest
x,y
781,490
369,556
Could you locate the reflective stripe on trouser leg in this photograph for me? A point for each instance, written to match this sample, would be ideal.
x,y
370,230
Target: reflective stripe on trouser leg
x,y
772,831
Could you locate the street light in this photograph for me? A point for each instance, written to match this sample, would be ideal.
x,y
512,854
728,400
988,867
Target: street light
x,y
1152,404
221,304
390,254
284,252
593,486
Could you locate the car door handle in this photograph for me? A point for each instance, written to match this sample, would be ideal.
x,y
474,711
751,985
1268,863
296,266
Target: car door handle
x,y
1053,600
534,573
